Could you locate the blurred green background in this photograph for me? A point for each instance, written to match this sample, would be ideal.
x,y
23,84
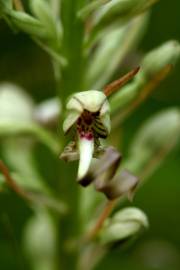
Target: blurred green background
x,y
23,63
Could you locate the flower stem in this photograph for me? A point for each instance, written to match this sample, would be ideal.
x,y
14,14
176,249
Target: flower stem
x,y
147,89
70,81
100,221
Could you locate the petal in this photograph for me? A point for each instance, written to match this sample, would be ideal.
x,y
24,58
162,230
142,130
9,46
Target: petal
x,y
91,100
70,120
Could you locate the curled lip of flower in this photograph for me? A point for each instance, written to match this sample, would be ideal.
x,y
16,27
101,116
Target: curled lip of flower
x,y
88,114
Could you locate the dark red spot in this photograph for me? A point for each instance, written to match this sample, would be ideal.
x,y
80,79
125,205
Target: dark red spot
x,y
89,136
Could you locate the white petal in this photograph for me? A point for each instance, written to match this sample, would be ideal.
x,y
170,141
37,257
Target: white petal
x,y
86,149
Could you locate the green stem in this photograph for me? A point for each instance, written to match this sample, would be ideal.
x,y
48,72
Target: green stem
x,y
72,47
71,81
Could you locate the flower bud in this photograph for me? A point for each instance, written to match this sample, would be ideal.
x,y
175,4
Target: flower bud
x,y
122,225
15,104
154,140
157,59
40,241
90,8
16,116
112,49
27,23
119,11
23,21
152,64
42,10
48,111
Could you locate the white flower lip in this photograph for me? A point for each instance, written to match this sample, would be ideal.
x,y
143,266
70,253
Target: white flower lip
x,y
86,149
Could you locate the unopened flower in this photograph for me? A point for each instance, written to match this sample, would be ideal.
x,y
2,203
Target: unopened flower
x,y
123,225
88,118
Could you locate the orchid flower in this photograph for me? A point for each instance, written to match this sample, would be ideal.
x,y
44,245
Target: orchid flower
x,y
88,116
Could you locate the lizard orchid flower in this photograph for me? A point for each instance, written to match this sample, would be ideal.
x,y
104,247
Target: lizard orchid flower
x,y
88,116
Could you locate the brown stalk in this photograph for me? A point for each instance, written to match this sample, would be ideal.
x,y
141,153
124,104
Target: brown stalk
x,y
144,93
99,223
40,199
117,84
12,184
18,5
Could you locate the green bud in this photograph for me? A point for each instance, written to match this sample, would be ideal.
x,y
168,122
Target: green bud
x,y
154,61
15,104
27,23
16,116
90,8
119,11
154,140
40,241
44,29
112,49
151,65
124,224
42,10
39,28
48,111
